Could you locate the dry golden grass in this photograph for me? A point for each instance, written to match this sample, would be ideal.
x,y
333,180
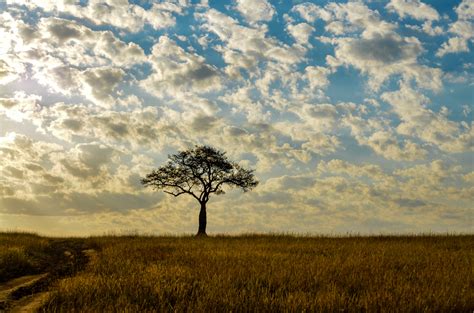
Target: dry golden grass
x,y
272,274
21,254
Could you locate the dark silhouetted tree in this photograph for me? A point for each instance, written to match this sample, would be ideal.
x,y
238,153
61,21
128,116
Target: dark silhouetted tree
x,y
200,172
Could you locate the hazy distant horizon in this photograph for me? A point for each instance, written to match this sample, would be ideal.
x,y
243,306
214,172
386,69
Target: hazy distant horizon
x,y
356,115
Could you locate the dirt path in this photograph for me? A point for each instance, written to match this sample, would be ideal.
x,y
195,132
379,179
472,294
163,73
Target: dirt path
x,y
15,286
29,293
30,304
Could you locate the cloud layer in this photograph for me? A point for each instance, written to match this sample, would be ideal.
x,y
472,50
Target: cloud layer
x,y
356,116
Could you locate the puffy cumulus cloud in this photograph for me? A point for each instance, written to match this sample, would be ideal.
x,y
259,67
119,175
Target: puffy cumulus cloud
x,y
378,51
317,76
87,160
247,47
175,69
140,127
341,192
72,59
81,46
387,144
23,162
339,167
69,41
337,195
10,69
462,30
384,55
96,84
255,11
120,14
351,17
310,12
301,32
99,83
377,135
428,28
153,130
20,106
321,126
103,90
414,8
258,145
429,126
89,177
453,45
465,10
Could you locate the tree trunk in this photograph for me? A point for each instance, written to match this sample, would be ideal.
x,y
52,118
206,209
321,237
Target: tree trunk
x,y
202,220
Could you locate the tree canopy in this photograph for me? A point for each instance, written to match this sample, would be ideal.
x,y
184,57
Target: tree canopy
x,y
200,172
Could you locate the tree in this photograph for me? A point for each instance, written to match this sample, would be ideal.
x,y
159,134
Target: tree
x,y
200,172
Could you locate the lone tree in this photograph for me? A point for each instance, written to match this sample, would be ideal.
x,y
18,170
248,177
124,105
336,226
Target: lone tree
x,y
200,172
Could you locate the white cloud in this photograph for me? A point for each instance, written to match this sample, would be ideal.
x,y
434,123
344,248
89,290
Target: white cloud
x,y
70,58
384,55
20,106
414,8
453,45
386,144
99,83
256,10
246,47
462,29
419,121
465,10
317,76
176,70
80,46
428,28
102,91
9,69
301,32
119,13
310,12
353,17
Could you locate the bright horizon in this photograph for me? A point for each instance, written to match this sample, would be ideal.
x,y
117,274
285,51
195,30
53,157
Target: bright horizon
x,y
356,115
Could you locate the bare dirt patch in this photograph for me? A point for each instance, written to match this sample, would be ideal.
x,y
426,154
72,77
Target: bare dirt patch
x,y
28,293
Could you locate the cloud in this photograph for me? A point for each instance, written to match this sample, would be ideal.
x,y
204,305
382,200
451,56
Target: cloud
x,y
414,8
419,121
245,48
19,106
310,12
462,29
384,55
362,39
428,28
256,11
99,83
72,59
82,46
352,17
453,45
6,73
119,14
175,70
95,94
386,144
301,32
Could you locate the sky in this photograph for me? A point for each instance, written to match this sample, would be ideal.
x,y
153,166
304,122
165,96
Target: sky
x,y
357,116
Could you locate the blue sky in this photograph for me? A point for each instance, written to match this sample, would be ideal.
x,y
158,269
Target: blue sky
x,y
356,115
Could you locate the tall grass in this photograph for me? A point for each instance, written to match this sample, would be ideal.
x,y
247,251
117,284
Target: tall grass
x,y
21,254
273,273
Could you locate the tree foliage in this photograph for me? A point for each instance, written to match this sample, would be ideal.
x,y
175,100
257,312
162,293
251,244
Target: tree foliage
x,y
200,172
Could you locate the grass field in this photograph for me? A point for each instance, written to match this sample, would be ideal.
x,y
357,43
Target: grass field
x,y
263,273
